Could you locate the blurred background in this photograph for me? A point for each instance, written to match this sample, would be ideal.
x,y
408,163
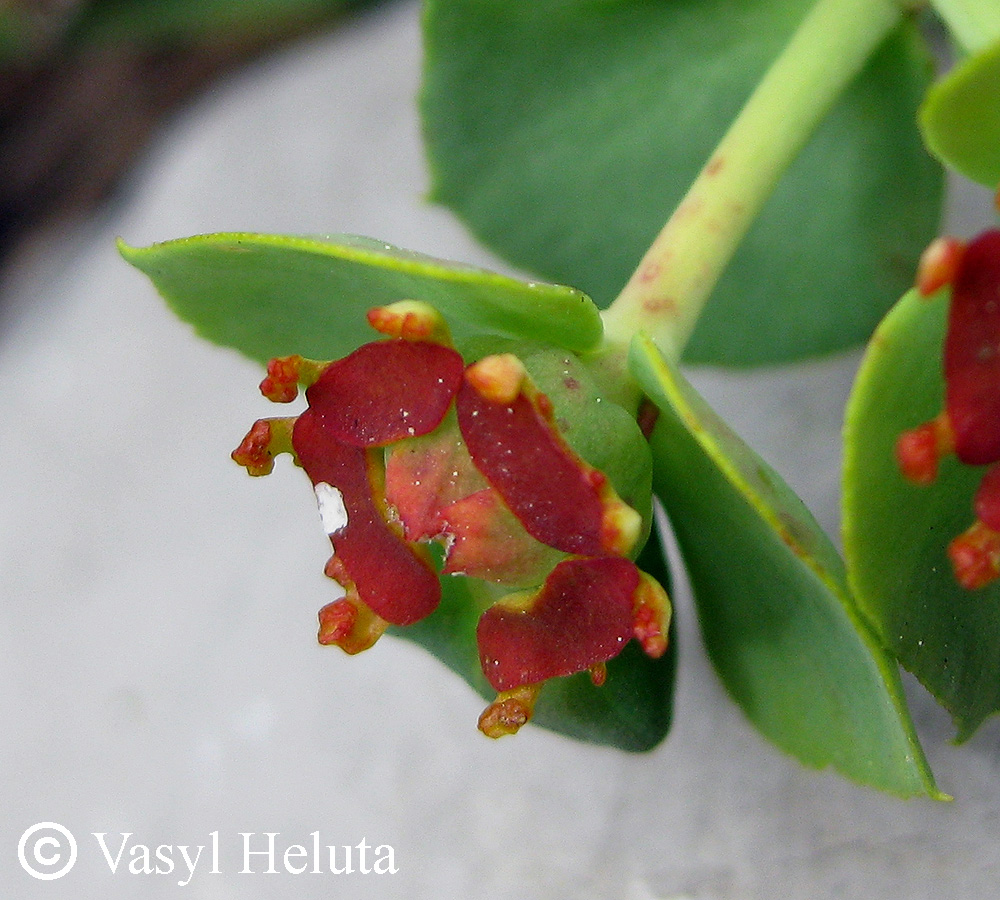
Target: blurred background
x,y
159,675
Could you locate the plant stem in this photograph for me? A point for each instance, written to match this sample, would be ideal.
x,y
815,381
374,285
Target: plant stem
x,y
973,23
668,291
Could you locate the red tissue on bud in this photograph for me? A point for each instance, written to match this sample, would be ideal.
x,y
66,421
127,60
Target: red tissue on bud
x,y
386,391
384,570
582,616
969,425
521,455
972,353
405,446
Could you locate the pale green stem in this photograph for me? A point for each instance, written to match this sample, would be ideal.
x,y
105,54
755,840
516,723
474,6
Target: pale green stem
x,y
973,23
668,290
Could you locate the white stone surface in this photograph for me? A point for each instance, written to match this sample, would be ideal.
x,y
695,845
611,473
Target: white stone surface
x,y
159,673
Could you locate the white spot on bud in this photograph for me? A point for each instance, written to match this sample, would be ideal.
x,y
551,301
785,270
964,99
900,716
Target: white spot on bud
x,y
332,511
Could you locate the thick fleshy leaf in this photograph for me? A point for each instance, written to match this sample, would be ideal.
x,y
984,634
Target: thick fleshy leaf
x,y
565,133
959,119
777,619
632,710
275,295
896,533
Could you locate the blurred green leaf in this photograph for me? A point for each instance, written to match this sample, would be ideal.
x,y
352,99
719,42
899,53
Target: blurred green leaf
x,y
16,34
776,616
274,295
564,132
959,117
896,533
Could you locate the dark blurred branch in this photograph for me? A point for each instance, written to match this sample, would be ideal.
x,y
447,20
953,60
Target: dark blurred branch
x,y
75,113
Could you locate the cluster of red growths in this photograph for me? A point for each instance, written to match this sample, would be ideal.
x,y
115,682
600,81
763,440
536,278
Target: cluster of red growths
x,y
408,446
969,424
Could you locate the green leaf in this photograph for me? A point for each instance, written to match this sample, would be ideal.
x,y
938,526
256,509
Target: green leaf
x,y
777,619
631,711
896,533
274,295
564,132
959,117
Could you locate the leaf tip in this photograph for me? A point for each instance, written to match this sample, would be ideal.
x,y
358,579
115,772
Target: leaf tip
x,y
126,250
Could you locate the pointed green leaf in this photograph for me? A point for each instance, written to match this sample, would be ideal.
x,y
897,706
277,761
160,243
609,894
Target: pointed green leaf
x,y
896,533
631,711
274,295
564,132
775,613
959,117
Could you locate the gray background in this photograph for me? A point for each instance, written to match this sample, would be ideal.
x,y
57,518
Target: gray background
x,y
159,672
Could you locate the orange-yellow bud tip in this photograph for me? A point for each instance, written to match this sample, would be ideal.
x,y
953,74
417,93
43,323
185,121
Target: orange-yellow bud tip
x,y
651,616
939,264
411,320
265,440
975,556
336,621
281,384
497,379
350,624
509,711
920,450
620,525
286,373
255,454
599,674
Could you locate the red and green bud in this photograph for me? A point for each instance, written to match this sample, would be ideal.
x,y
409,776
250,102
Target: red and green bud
x,y
509,462
969,424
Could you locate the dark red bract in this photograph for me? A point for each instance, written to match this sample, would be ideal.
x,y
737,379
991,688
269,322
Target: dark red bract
x,y
969,424
582,616
389,576
972,353
522,457
386,391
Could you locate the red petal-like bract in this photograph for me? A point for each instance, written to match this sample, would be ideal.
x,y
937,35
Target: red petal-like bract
x,y
582,616
540,479
424,474
490,543
386,572
972,353
386,391
987,501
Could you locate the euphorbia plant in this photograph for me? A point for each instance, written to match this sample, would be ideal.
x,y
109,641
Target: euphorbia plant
x,y
485,459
